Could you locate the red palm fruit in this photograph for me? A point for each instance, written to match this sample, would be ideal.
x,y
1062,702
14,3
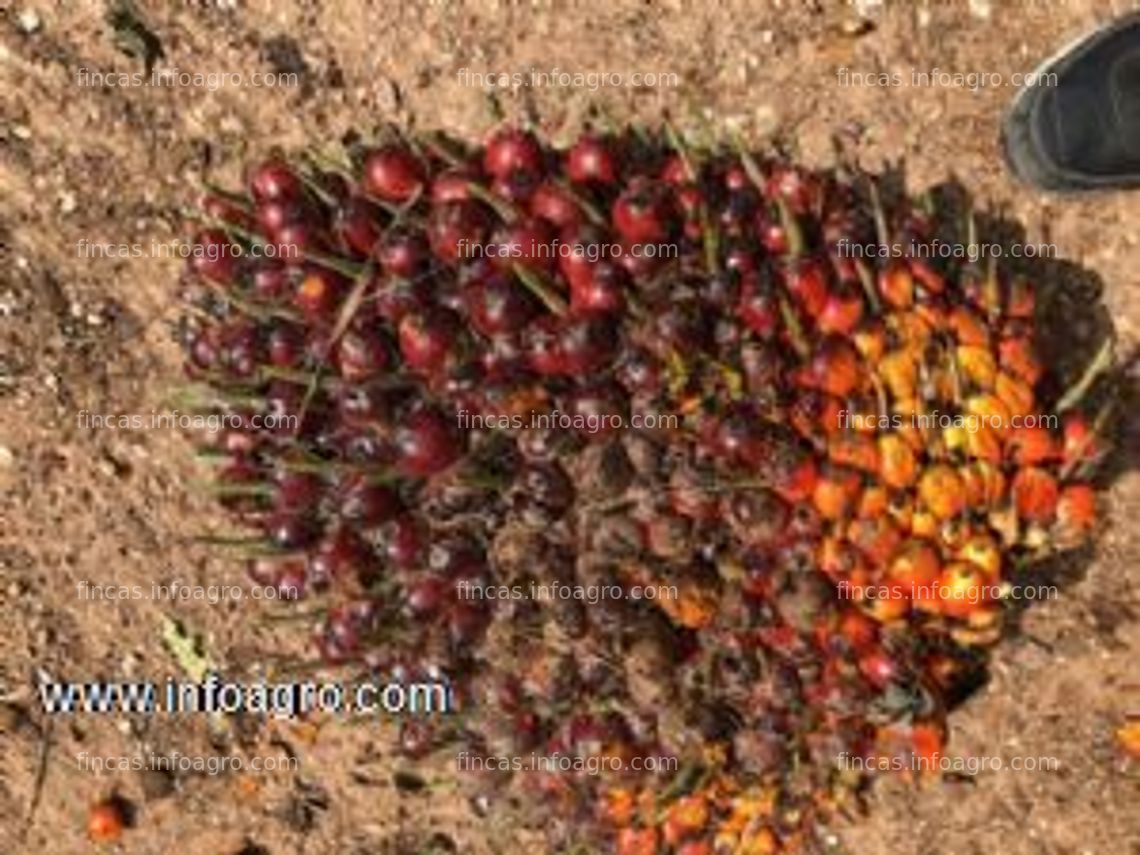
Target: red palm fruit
x,y
358,227
1076,514
643,213
878,667
835,368
841,312
402,253
941,490
858,629
586,344
365,504
695,847
836,492
275,181
361,353
393,173
929,279
426,444
759,308
271,281
527,243
511,150
857,450
1080,441
456,230
1030,446
772,234
584,244
676,171
591,160
1020,300
963,590
1017,357
896,285
877,538
342,557
794,185
405,542
498,305
915,570
428,339
797,482
604,292
273,215
555,205
1035,494
452,185
223,209
516,188
215,257
294,239
806,280
319,294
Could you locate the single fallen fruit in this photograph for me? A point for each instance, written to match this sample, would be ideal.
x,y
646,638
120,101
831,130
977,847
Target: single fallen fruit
x,y
682,484
106,820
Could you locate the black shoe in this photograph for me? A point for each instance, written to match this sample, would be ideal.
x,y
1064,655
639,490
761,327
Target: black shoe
x,y
1078,127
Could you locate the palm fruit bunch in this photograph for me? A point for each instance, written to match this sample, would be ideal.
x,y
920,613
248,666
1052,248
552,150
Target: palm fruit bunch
x,y
825,460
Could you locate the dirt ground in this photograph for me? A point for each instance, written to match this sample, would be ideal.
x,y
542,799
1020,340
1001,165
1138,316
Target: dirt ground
x,y
116,165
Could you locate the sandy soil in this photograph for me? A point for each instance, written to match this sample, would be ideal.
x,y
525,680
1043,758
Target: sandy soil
x,y
115,165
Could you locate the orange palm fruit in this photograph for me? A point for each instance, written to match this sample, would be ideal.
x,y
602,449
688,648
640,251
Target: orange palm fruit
x,y
857,450
898,466
941,491
984,443
834,368
924,524
912,329
984,484
1029,446
968,327
1016,356
977,364
106,821
983,551
926,276
896,285
874,502
618,806
988,409
696,847
927,742
885,609
835,492
963,588
1035,494
1076,514
898,369
1080,441
637,841
1015,393
871,341
686,816
915,569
